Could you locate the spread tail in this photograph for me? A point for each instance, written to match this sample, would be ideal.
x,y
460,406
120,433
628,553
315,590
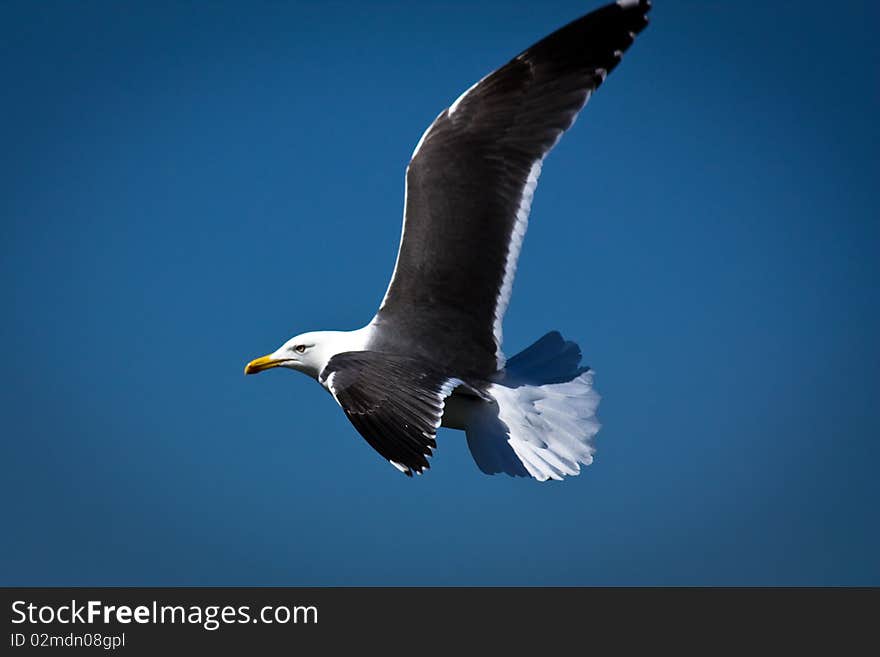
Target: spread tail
x,y
543,420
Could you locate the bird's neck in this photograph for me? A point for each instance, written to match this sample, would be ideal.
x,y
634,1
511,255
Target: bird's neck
x,y
331,343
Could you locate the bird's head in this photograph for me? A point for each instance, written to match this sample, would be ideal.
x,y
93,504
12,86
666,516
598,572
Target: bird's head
x,y
307,353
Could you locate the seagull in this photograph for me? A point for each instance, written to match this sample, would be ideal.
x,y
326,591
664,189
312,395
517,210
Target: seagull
x,y
432,354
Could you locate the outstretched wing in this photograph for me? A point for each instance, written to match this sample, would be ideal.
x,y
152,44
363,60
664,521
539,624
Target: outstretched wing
x,y
395,403
470,183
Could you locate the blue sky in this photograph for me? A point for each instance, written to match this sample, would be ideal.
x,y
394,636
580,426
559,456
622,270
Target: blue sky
x,y
185,186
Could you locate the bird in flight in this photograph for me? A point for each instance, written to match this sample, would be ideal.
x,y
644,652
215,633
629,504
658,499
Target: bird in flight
x,y
432,355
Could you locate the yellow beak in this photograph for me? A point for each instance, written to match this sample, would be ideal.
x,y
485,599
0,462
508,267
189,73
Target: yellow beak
x,y
262,363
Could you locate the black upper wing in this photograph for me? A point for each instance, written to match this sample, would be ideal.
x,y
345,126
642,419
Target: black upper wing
x,y
394,402
469,187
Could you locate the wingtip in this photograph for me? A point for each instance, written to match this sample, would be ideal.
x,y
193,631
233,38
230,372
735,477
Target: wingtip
x,y
636,9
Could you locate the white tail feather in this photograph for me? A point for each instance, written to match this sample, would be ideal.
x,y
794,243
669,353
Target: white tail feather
x,y
543,420
550,427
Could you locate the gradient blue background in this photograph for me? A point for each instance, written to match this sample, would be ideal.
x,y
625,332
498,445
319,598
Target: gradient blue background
x,y
185,186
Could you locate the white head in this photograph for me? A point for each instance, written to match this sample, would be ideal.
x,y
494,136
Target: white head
x,y
309,353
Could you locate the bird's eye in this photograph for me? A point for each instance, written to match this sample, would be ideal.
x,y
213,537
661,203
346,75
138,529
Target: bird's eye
x,y
300,348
